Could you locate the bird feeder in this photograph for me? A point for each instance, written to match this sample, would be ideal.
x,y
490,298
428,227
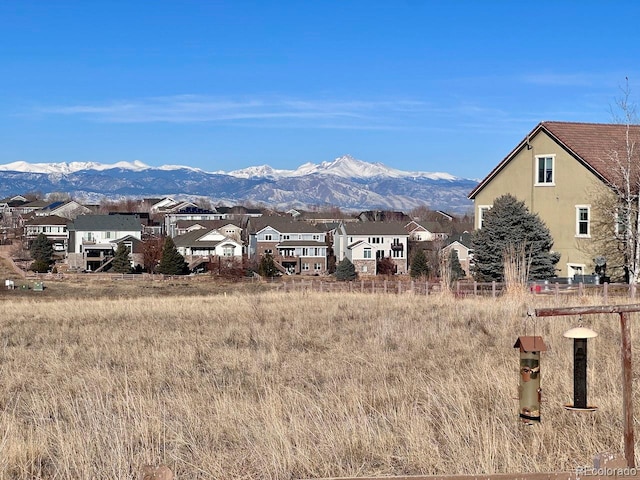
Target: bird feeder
x,y
529,391
580,336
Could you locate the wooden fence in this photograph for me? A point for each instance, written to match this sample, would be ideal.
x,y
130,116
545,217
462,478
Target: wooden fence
x,y
459,289
376,286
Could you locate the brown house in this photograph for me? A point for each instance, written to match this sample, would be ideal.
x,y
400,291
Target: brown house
x,y
562,171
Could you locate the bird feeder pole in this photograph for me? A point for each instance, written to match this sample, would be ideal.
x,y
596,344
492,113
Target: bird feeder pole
x,y
625,351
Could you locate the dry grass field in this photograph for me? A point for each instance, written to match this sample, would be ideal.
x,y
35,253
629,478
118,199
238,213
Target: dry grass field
x,y
254,384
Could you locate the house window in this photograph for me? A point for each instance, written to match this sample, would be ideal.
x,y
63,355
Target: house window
x,y
544,170
364,269
267,237
482,209
268,251
574,269
317,266
305,266
397,253
227,251
582,220
367,253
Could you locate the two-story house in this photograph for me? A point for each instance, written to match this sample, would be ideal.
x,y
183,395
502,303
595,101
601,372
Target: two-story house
x,y
68,209
297,247
462,245
52,226
93,239
559,170
425,231
364,243
202,246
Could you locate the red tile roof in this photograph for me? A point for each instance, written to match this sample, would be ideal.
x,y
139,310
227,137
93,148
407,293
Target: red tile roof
x,y
592,144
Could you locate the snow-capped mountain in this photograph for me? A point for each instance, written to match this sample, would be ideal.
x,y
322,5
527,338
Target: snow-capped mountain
x,y
344,182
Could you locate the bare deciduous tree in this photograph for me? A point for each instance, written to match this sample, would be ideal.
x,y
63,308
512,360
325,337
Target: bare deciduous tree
x,y
624,179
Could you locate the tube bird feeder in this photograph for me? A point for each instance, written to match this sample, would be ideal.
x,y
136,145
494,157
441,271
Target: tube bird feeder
x,y
529,391
580,336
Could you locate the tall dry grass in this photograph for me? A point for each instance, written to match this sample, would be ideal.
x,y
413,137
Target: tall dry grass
x,y
282,386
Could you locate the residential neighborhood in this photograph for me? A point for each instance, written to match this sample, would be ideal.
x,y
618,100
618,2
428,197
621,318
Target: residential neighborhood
x,y
564,173
86,237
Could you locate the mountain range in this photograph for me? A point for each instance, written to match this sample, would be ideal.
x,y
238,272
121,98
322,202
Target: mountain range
x,y
346,182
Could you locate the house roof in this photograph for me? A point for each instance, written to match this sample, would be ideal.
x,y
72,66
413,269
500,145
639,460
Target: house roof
x,y
282,225
375,228
121,223
209,224
463,239
48,220
592,144
191,239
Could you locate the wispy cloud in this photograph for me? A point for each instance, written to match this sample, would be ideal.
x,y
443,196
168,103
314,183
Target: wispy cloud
x,y
195,108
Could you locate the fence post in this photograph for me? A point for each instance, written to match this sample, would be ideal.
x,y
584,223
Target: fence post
x,y
557,289
493,289
475,288
426,288
633,290
373,286
580,289
458,287
399,287
385,286
361,286
413,286
605,292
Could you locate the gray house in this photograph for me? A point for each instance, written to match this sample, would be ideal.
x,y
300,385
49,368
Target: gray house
x,y
93,239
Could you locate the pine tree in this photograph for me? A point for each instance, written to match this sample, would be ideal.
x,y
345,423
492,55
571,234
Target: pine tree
x,y
121,262
267,267
41,249
346,271
457,272
172,262
509,225
419,266
41,252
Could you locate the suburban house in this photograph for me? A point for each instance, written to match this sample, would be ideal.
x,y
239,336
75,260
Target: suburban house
x,y
297,247
187,211
425,231
363,243
201,246
462,245
228,228
52,226
560,170
93,240
69,209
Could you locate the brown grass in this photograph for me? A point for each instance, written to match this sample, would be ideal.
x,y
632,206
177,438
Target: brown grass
x,y
277,386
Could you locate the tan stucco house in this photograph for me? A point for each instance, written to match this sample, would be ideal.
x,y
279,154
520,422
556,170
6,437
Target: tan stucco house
x,y
561,171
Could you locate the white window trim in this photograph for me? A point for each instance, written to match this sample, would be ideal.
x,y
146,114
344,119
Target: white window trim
x,y
481,210
576,266
578,234
552,183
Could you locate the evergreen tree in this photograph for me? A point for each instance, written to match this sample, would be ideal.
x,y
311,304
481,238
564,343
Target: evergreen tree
x,y
42,253
419,266
171,262
385,266
457,272
121,262
346,271
507,226
41,248
267,267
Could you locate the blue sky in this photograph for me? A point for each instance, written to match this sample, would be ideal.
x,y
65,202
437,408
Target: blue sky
x,y
417,85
